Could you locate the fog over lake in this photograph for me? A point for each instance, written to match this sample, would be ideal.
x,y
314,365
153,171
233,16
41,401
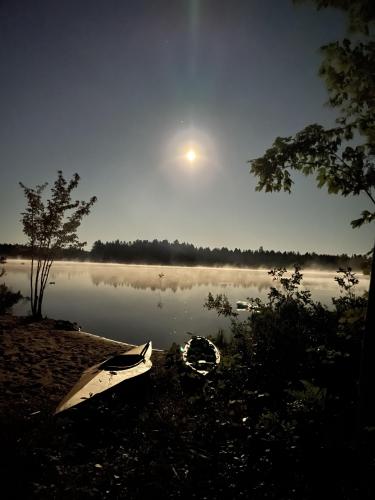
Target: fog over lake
x,y
134,303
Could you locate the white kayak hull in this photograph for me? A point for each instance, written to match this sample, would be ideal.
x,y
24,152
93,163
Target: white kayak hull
x,y
105,375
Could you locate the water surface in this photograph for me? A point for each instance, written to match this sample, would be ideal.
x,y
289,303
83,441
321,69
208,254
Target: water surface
x,y
134,303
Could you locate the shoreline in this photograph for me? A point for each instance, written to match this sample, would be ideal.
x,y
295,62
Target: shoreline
x,y
307,269
100,337
41,362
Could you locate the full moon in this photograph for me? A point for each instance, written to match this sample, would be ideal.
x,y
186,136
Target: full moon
x,y
191,155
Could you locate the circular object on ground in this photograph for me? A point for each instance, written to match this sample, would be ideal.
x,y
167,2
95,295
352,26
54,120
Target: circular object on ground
x,y
201,355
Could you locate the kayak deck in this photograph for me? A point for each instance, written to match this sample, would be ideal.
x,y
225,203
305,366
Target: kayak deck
x,y
108,374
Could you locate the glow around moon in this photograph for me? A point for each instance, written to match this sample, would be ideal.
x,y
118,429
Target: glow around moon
x,y
190,158
191,155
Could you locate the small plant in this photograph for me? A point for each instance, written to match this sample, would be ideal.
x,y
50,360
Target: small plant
x,y
348,300
346,281
290,287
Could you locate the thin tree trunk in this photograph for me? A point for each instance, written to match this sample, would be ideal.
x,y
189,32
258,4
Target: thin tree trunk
x,y
41,288
43,283
44,275
31,282
36,290
32,264
367,368
366,408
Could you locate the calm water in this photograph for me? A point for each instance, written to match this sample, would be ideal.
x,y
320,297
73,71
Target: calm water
x,y
137,303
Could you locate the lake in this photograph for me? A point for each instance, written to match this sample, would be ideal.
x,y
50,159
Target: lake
x,y
133,303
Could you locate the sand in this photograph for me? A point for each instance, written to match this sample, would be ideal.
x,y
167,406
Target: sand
x,y
40,363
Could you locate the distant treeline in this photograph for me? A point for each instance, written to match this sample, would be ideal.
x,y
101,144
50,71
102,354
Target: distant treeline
x,y
24,251
176,253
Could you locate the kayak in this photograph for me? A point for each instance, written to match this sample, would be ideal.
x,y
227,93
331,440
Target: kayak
x,y
107,374
242,305
201,355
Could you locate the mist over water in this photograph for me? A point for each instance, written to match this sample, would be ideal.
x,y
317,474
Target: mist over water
x,y
134,303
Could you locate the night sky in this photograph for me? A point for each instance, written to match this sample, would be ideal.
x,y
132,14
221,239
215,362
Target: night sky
x,y
120,91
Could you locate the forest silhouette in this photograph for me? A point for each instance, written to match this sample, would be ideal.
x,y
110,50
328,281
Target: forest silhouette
x,y
176,253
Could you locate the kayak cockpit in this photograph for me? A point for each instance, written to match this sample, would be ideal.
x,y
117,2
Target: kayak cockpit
x,y
121,362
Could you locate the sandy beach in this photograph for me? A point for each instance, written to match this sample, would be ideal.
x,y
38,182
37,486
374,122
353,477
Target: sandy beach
x,y
79,454
41,362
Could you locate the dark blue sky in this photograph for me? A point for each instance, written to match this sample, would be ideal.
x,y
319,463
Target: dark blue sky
x,y
118,91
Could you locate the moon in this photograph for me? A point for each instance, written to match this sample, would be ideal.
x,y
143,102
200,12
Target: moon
x,y
191,155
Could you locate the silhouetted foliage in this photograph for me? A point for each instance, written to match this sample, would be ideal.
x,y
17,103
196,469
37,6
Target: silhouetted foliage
x,y
342,157
288,379
176,253
16,251
360,13
51,227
